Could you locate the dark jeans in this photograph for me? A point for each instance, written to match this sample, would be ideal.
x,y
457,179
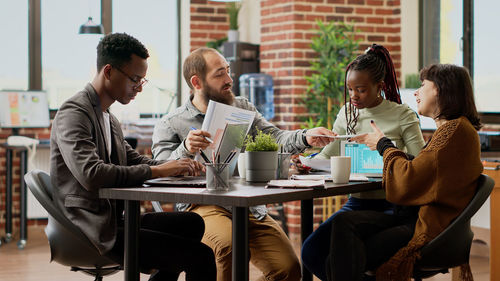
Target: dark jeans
x,y
364,240
317,246
170,243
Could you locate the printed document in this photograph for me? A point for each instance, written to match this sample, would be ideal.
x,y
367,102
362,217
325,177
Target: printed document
x,y
216,118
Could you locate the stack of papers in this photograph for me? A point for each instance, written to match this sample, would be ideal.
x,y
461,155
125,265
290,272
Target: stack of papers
x,y
296,184
317,164
328,177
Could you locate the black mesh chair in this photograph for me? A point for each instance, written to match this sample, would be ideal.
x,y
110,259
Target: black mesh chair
x,y
451,248
68,245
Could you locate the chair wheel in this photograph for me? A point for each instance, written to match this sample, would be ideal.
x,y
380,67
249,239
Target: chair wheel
x,y
21,244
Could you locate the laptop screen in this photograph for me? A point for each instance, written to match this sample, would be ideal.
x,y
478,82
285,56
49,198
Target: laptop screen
x,y
364,161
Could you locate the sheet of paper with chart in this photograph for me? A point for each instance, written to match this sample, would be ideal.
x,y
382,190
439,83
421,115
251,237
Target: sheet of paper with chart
x,y
228,126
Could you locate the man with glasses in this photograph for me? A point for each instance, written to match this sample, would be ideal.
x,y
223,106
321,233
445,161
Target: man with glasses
x,y
88,152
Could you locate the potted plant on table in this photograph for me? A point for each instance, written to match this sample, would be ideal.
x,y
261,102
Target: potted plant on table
x,y
261,157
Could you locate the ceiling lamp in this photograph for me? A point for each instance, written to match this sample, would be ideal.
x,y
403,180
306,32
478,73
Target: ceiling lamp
x,y
91,28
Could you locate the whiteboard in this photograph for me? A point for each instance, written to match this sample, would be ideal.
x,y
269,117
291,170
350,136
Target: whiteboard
x,y
24,109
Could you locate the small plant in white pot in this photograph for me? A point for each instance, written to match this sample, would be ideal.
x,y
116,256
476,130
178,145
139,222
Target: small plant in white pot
x,y
233,9
261,157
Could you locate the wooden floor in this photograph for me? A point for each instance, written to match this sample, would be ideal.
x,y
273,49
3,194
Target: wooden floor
x,y
32,263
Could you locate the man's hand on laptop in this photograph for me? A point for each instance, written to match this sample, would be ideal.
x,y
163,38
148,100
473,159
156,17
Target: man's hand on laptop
x,y
183,166
370,139
196,140
318,141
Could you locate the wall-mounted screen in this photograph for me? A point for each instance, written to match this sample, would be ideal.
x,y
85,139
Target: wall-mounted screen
x,y
24,109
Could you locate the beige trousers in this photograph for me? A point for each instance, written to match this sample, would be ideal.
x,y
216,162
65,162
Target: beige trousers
x,y
270,249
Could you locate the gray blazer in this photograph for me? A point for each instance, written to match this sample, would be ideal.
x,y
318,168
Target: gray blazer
x,y
80,166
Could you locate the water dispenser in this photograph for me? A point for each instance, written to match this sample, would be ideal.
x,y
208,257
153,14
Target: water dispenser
x,y
258,89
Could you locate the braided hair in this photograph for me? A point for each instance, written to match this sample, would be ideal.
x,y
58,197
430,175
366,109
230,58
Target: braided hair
x,y
378,63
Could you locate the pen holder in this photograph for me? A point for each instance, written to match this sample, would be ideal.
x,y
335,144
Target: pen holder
x,y
283,165
217,176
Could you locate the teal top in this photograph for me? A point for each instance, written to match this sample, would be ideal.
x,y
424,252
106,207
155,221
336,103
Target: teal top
x,y
397,121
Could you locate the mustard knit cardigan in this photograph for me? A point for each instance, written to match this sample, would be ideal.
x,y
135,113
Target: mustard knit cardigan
x,y
442,179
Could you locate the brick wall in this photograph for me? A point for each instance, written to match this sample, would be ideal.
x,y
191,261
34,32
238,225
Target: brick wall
x,y
209,21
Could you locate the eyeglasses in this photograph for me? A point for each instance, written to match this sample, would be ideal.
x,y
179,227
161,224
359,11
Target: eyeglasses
x,y
138,83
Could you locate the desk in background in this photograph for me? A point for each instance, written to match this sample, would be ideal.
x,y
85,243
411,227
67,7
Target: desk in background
x,y
25,200
241,196
492,169
9,149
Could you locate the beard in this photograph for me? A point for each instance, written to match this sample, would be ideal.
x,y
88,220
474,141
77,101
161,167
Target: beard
x,y
226,97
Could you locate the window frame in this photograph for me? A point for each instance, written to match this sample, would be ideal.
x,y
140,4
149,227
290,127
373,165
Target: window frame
x,y
35,43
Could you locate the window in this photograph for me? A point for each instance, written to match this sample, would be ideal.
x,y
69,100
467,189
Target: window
x,y
442,28
68,58
14,46
486,56
155,25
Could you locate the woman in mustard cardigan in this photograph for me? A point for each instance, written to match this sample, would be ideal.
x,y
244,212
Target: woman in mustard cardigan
x,y
429,190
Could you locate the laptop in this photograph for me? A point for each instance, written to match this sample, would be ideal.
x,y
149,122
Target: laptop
x,y
364,162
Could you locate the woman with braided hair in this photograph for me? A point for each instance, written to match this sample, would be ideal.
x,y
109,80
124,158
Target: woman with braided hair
x,y
440,182
371,93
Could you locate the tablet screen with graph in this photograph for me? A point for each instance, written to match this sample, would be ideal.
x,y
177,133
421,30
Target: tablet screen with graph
x,y
364,161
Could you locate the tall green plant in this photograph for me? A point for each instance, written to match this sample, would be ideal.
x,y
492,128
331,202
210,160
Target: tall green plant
x,y
335,47
412,81
233,9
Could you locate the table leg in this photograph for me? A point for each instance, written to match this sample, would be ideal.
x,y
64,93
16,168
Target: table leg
x,y
132,224
8,195
23,205
306,223
240,244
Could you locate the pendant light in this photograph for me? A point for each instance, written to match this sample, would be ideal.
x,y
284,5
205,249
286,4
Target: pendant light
x,y
90,27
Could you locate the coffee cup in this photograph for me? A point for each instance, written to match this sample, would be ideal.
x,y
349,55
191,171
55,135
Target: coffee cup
x,y
340,168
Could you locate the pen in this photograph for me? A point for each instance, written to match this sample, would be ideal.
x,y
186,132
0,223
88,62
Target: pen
x,y
312,155
207,138
204,157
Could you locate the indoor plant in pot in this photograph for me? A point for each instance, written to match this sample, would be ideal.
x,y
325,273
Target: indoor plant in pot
x,y
233,9
261,157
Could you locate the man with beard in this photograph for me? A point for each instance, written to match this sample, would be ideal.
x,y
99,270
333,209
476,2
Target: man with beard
x,y
207,74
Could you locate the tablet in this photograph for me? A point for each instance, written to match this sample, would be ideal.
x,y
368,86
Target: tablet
x,y
364,162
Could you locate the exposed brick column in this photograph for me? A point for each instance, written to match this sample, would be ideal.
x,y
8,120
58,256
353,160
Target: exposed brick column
x,y
286,31
209,21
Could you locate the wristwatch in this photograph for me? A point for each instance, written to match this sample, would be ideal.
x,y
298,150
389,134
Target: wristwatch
x,y
304,138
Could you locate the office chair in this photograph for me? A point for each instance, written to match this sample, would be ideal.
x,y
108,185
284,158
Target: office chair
x,y
68,245
451,248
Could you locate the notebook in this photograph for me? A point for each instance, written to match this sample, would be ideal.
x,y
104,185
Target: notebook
x,y
364,162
